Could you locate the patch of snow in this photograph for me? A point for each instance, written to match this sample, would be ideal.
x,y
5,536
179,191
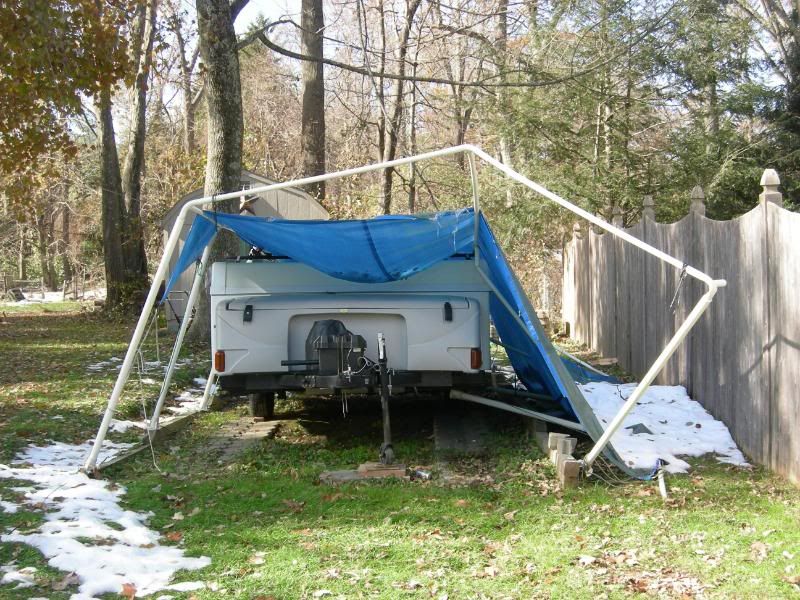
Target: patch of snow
x,y
77,508
120,426
188,401
680,426
200,381
8,507
154,367
50,297
24,578
186,586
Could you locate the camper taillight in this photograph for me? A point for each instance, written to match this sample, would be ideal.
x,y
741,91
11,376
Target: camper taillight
x,y
219,361
475,358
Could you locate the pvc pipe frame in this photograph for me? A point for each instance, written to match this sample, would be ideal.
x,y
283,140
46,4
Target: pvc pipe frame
x,y
459,395
197,284
471,151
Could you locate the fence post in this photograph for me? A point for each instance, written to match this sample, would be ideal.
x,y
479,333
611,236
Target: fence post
x,y
769,183
649,208
698,204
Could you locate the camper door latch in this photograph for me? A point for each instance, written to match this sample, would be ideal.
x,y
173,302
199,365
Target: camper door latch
x,y
247,316
448,311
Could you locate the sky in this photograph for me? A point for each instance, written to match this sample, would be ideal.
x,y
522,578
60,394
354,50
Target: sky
x,y
272,9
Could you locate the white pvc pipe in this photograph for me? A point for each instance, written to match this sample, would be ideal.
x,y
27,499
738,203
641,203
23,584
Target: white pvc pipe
x,y
136,338
535,414
474,150
194,206
212,379
616,231
651,374
476,206
197,285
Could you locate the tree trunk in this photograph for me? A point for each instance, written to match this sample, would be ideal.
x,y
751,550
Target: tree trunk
x,y
223,95
501,47
411,129
112,206
133,236
44,224
390,147
711,117
313,117
52,276
64,243
186,67
22,262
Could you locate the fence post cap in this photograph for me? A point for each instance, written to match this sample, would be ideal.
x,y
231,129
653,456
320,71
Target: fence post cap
x,y
698,198
769,183
770,178
577,229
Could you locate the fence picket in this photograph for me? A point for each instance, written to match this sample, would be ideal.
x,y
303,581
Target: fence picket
x,y
742,361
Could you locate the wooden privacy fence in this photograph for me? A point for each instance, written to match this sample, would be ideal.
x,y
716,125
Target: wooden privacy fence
x,y
742,360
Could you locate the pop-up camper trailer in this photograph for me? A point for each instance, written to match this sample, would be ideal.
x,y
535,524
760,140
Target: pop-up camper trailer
x,y
406,298
279,325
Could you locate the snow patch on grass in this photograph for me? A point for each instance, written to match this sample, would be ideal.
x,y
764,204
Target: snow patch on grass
x,y
24,577
679,426
86,531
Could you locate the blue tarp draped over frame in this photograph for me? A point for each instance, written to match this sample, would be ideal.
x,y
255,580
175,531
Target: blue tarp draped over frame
x,y
392,248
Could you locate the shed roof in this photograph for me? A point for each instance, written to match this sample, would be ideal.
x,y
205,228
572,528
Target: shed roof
x,y
307,205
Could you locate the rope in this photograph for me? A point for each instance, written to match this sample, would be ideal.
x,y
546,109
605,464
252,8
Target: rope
x,y
140,370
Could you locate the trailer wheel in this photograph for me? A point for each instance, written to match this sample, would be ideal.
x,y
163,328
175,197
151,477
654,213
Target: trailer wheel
x,y
262,404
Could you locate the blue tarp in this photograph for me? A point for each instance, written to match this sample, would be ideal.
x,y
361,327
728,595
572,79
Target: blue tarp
x,y
387,248
392,248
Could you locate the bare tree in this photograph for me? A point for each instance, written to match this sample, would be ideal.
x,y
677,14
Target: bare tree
x,y
112,202
392,120
187,61
313,117
135,258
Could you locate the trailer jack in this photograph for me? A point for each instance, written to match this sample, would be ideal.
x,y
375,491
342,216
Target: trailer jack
x,y
387,451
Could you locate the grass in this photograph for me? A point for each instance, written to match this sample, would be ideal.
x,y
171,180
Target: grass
x,y
504,531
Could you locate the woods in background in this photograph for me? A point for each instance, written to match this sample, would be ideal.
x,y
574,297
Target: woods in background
x,y
113,110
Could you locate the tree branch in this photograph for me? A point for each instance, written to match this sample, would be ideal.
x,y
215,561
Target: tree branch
x,y
236,8
487,83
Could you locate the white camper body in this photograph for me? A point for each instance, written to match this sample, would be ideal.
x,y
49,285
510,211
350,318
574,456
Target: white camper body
x,y
435,323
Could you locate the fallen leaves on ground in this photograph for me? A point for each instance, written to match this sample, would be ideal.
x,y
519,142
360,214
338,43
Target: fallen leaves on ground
x,y
174,536
758,551
65,582
257,558
293,505
614,567
128,590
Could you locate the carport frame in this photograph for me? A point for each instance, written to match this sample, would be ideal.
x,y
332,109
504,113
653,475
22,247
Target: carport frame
x,y
472,152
